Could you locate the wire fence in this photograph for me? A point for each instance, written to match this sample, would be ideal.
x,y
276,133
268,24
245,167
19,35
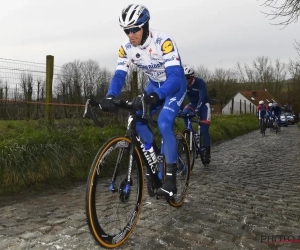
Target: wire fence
x,y
20,80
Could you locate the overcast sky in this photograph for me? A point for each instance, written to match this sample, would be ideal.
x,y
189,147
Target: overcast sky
x,y
212,33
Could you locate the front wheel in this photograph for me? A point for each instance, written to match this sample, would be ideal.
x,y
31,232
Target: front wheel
x,y
183,171
114,192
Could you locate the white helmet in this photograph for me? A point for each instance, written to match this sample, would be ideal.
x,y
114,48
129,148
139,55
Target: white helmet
x,y
274,104
134,15
270,104
188,71
261,102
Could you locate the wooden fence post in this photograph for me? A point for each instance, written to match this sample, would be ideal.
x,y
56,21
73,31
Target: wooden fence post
x,y
240,106
49,82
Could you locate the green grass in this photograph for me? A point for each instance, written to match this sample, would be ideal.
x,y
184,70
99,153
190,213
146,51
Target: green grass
x,y
33,154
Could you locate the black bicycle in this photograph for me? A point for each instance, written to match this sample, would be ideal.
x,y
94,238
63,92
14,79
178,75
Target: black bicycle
x,y
195,139
263,125
276,124
115,183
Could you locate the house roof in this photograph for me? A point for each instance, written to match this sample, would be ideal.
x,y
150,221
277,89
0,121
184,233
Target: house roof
x,y
255,96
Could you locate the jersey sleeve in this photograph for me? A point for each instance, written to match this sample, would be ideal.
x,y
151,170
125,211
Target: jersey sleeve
x,y
118,80
203,97
172,63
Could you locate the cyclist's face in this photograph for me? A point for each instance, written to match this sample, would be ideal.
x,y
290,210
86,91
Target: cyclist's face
x,y
189,80
136,38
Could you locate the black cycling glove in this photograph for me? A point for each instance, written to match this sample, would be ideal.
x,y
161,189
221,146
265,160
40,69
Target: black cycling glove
x,y
152,98
137,103
107,104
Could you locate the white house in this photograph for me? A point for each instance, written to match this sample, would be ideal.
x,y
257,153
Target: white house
x,y
246,102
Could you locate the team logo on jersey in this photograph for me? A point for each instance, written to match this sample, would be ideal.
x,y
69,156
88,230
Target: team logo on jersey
x,y
158,40
167,46
137,55
122,52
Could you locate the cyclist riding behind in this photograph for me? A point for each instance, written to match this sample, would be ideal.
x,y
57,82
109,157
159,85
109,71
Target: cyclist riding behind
x,y
276,111
156,54
199,104
262,112
269,115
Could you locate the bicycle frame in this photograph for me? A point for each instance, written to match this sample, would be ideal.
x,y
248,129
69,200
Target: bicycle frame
x,y
193,134
154,169
116,175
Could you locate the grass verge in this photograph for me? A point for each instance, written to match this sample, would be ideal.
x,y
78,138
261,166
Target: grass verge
x,y
33,154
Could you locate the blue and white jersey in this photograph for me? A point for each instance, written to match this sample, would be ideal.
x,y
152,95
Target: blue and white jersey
x,y
197,92
276,110
158,58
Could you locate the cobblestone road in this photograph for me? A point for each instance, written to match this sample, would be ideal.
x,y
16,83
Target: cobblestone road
x,y
250,190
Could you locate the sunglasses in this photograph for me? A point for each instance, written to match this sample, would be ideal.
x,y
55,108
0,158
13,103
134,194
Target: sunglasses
x,y
188,77
132,30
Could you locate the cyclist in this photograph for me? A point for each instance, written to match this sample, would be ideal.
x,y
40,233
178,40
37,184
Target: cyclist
x,y
276,111
199,104
156,54
262,109
269,115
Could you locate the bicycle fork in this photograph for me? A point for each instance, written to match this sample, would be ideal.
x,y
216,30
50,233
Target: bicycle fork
x,y
126,184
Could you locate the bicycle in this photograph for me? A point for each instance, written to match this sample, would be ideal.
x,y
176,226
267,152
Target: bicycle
x,y
263,126
195,139
276,125
115,185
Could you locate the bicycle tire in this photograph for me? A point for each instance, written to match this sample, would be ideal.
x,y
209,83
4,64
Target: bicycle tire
x,y
264,128
112,214
202,149
183,171
191,144
276,127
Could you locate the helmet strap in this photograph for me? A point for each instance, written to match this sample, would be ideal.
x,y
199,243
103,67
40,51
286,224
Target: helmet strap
x,y
145,32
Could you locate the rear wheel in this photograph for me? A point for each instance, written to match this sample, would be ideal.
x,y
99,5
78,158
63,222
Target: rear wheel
x,y
114,201
191,144
202,150
264,128
183,171
276,127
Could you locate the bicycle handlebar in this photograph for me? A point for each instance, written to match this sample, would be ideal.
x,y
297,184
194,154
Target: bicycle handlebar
x,y
186,115
120,104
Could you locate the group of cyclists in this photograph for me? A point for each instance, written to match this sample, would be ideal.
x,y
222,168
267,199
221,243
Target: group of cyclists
x,y
156,54
268,113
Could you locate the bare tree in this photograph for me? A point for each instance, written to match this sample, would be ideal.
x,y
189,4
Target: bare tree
x,y
297,48
204,73
264,72
280,72
246,76
91,76
104,81
289,9
70,82
225,84
26,86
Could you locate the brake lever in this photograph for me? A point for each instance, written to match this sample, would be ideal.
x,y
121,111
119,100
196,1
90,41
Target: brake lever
x,y
86,107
